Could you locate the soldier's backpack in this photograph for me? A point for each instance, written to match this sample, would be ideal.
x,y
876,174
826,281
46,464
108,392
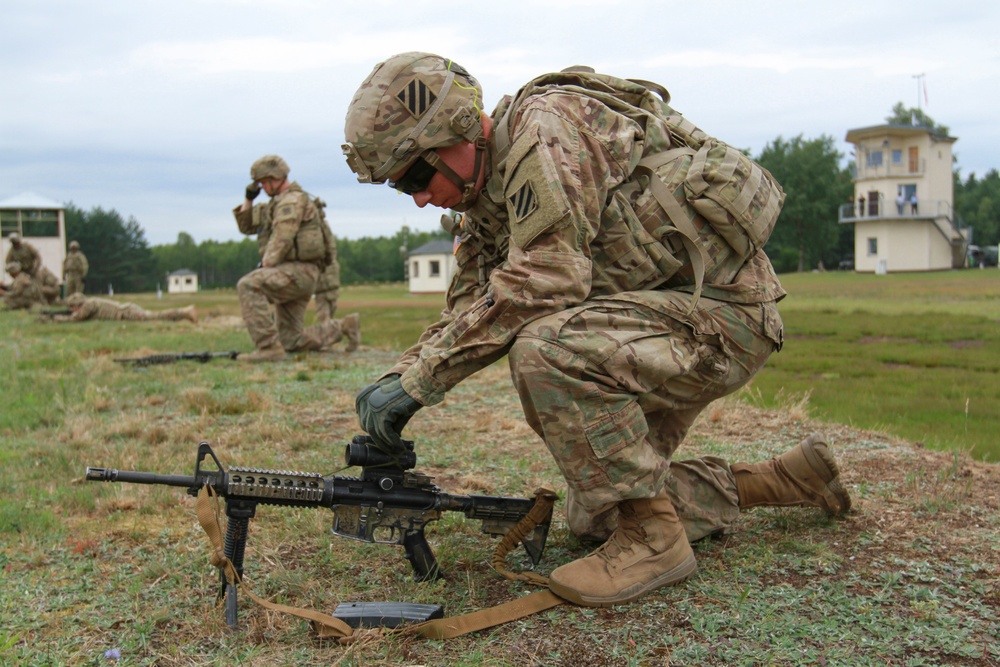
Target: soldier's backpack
x,y
720,205
311,244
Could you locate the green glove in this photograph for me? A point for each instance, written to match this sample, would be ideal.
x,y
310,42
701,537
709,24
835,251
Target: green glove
x,y
253,190
384,408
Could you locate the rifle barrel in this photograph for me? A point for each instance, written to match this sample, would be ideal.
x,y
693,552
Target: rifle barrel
x,y
112,475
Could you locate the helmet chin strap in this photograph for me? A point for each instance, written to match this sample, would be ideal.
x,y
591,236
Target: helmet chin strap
x,y
466,187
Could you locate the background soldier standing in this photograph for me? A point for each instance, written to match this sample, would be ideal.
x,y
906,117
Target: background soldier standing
x,y
75,269
293,251
23,292
24,254
575,265
93,308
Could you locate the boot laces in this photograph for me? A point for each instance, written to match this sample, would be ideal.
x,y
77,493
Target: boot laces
x,y
624,539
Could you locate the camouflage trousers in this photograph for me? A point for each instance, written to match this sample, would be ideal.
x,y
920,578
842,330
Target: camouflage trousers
x,y
289,287
326,304
130,311
74,284
613,385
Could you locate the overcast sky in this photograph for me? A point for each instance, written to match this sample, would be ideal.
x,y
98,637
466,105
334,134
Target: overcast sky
x,y
157,109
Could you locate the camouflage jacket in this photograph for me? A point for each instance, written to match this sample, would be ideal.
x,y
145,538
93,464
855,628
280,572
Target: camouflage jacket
x,y
23,292
75,264
551,229
330,278
287,228
27,256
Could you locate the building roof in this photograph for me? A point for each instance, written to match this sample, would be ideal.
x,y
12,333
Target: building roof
x,y
31,201
182,272
434,248
860,133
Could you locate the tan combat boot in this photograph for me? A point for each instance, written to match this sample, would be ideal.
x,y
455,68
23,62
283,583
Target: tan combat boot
x,y
647,551
190,313
350,326
807,475
270,353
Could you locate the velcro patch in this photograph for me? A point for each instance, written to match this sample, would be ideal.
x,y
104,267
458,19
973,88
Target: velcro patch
x,y
416,97
523,202
536,201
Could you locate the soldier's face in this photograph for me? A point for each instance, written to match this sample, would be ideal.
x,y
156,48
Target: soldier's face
x,y
441,192
271,185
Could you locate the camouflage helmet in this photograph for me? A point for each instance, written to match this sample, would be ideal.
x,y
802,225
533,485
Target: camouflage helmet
x,y
409,104
14,238
74,245
269,166
75,299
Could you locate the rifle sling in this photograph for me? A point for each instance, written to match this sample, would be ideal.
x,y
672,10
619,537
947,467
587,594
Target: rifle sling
x,y
326,626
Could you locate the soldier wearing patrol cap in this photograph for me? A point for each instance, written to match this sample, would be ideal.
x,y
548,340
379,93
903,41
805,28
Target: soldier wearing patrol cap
x,y
293,252
622,319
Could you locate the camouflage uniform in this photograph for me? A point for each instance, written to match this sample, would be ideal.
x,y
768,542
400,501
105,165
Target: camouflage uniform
x,y
48,285
328,285
26,255
23,292
612,356
282,280
93,308
75,268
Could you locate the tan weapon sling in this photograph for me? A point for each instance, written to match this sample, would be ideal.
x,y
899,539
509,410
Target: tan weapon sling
x,y
326,626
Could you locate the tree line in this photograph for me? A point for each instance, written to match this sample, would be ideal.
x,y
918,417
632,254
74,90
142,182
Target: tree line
x,y
807,234
121,259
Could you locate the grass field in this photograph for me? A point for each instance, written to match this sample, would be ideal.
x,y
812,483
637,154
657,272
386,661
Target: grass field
x,y
909,578
917,355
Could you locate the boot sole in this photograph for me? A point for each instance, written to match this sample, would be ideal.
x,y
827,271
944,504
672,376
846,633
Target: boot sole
x,y
822,462
672,577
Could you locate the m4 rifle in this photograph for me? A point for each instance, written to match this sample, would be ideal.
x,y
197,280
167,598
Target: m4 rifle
x,y
388,504
171,357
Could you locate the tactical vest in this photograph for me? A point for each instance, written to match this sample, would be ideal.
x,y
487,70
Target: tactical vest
x,y
706,206
310,243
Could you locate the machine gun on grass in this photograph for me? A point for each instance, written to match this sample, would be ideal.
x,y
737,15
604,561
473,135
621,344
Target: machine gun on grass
x,y
169,358
387,504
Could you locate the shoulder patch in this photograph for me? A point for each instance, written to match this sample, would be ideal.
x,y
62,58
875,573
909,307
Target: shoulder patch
x,y
523,202
535,198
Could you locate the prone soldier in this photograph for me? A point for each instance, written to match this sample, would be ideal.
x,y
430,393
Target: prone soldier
x,y
93,308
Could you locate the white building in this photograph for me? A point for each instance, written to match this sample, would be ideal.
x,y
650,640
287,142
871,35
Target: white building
x,y
903,213
430,267
182,281
39,221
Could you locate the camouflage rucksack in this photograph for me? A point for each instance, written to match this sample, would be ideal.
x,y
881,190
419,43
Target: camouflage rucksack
x,y
310,242
720,206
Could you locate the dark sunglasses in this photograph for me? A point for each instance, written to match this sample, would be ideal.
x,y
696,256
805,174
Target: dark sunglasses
x,y
416,179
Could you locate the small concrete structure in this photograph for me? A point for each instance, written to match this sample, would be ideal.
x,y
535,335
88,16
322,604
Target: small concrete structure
x,y
430,267
182,281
